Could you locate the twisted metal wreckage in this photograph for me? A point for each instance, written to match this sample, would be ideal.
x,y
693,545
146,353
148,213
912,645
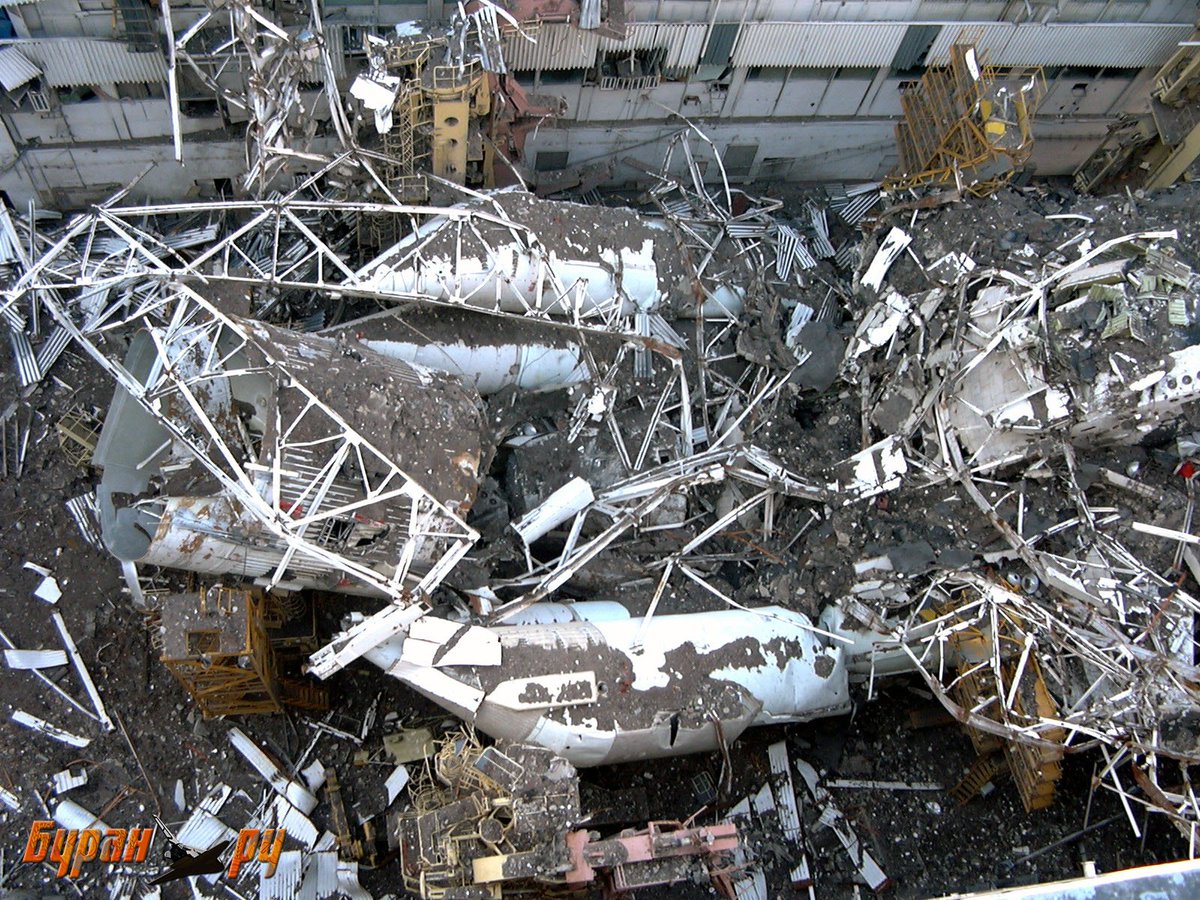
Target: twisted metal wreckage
x,y
349,460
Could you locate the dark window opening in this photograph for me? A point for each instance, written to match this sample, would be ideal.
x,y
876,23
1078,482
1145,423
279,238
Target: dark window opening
x,y
766,73
140,21
630,69
775,167
199,109
914,48
75,95
739,159
551,160
562,76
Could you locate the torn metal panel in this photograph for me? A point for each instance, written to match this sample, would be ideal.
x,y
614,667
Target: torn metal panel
x,y
284,883
788,811
347,880
51,731
432,641
48,590
34,659
82,672
875,470
66,780
9,799
293,791
890,249
831,817
297,825
203,830
71,815
320,876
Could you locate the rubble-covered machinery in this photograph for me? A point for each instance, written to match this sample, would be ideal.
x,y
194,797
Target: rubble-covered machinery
x,y
1153,151
966,123
495,821
238,651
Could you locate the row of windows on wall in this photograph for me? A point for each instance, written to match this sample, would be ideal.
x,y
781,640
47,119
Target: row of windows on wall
x,y
738,160
849,73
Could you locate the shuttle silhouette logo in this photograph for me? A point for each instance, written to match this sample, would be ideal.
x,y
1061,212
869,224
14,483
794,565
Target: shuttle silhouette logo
x,y
70,849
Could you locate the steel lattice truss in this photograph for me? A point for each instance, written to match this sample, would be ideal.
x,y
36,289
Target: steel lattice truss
x,y
276,247
92,290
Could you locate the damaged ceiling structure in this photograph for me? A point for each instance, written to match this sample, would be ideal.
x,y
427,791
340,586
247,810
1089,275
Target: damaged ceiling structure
x,y
695,475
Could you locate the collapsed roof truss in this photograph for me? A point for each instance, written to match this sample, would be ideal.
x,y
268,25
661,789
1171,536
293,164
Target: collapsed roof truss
x,y
95,292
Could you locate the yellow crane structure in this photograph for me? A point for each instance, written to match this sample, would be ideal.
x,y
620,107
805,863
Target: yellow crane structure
x,y
1155,150
966,123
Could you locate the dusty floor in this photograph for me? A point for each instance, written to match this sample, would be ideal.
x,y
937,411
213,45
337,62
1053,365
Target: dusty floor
x,y
924,841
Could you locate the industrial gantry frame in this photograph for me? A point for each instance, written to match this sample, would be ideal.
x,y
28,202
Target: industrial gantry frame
x,y
1153,151
966,123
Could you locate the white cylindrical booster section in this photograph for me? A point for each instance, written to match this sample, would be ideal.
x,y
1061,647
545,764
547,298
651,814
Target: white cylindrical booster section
x,y
518,279
554,613
654,679
781,661
560,506
528,367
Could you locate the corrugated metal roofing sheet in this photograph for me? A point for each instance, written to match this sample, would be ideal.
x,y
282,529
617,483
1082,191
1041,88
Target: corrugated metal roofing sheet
x,y
682,41
78,62
16,69
285,883
16,2
819,44
862,44
320,876
559,46
1123,46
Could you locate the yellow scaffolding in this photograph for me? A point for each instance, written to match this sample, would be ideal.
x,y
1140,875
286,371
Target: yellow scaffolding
x,y
216,643
1035,768
78,432
966,123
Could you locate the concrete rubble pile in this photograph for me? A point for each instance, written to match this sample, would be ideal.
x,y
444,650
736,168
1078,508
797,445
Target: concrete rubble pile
x,y
556,454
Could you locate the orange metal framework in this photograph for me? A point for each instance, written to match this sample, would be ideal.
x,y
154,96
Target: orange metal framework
x,y
244,680
966,123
